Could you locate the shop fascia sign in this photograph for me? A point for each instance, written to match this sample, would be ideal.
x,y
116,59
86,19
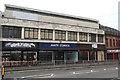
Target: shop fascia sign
x,y
94,45
113,50
20,44
57,45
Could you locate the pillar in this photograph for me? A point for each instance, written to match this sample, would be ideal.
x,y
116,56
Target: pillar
x,y
66,35
22,34
53,56
88,37
96,37
88,55
39,34
22,55
38,54
53,34
77,36
113,56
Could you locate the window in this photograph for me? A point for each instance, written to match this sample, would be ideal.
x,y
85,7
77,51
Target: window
x,y
92,37
106,42
100,38
83,37
31,33
114,42
119,42
46,34
60,35
72,36
110,42
11,32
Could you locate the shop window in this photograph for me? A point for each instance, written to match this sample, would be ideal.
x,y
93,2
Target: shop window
x,y
31,33
83,37
72,36
46,34
100,38
11,32
60,35
109,56
92,37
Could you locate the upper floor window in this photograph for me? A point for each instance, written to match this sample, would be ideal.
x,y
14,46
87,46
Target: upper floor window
x,y
100,38
31,33
110,42
83,37
11,32
106,42
92,37
60,35
46,34
72,36
114,42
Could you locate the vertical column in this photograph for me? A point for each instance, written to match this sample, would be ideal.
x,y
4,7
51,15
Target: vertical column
x,y
22,35
66,35
77,36
88,37
22,55
96,37
95,55
103,55
113,56
53,34
88,55
38,55
39,34
53,56
0,49
103,39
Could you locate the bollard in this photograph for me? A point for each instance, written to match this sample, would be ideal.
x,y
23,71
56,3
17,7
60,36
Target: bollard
x,y
3,71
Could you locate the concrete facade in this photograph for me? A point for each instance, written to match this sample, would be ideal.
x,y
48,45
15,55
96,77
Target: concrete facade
x,y
37,19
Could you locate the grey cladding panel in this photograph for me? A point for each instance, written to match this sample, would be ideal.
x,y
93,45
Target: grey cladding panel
x,y
24,15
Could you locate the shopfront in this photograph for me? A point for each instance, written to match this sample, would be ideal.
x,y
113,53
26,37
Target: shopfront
x,y
91,52
19,51
59,51
113,54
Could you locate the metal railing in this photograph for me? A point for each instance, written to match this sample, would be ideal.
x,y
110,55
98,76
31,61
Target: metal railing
x,y
56,62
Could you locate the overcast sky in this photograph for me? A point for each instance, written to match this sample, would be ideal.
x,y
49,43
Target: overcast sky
x,y
106,11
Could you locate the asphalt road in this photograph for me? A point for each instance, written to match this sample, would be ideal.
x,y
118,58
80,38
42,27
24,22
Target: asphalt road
x,y
92,72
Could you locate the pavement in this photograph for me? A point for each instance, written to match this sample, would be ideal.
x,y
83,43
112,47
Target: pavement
x,y
107,72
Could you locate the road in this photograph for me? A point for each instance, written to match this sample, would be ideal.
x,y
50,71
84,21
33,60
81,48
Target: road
x,y
92,72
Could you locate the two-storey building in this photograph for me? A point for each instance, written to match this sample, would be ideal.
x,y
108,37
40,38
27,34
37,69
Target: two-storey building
x,y
31,34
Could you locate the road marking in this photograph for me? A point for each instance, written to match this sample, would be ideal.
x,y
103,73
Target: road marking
x,y
116,68
91,70
104,69
39,76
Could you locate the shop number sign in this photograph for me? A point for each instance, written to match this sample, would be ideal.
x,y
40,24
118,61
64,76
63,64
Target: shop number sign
x,y
29,45
94,45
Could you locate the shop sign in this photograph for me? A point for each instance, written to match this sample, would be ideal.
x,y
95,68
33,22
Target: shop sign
x,y
57,45
113,50
19,44
94,45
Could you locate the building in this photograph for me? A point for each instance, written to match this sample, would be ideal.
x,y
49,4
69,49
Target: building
x,y
30,34
112,38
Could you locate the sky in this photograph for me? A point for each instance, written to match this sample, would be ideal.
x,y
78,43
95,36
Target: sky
x,y
106,11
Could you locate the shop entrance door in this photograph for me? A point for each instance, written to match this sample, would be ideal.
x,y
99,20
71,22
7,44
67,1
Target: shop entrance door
x,y
29,55
59,55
